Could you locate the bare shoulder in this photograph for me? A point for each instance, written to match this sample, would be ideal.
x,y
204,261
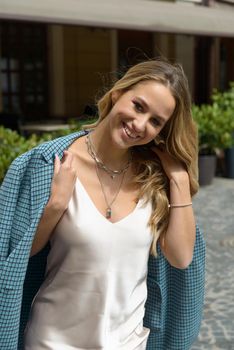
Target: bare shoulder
x,y
79,149
81,159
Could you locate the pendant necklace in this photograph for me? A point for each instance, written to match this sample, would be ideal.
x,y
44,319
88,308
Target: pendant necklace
x,y
109,204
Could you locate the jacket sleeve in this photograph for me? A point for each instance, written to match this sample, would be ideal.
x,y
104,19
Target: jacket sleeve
x,y
23,194
21,205
9,196
175,300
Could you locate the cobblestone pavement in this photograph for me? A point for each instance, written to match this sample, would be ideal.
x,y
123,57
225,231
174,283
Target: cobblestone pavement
x,y
214,209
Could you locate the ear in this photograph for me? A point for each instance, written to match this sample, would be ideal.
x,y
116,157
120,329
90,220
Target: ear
x,y
159,140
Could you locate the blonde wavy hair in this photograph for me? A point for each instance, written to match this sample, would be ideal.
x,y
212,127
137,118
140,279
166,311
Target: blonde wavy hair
x,y
179,137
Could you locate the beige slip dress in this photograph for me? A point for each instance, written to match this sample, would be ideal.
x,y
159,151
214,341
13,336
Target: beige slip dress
x,y
95,290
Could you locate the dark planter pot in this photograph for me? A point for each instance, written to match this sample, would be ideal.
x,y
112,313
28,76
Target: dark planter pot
x,y
206,166
229,162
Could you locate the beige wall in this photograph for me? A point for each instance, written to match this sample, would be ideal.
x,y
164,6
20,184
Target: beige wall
x,y
164,45
215,65
80,59
185,56
179,48
87,58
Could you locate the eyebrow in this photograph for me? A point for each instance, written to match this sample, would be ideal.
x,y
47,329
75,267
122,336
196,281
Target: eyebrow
x,y
145,104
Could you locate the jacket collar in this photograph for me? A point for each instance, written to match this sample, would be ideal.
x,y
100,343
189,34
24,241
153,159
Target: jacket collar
x,y
57,146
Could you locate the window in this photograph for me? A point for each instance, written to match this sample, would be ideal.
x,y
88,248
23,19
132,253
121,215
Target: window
x,y
23,64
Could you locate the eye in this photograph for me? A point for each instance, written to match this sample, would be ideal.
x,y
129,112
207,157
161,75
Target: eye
x,y
138,107
155,122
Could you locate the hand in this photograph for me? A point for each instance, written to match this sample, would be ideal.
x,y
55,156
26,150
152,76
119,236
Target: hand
x,y
173,168
63,181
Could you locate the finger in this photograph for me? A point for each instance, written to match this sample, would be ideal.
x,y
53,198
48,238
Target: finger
x,y
56,164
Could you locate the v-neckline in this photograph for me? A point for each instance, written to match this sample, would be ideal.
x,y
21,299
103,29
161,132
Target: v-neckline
x,y
98,211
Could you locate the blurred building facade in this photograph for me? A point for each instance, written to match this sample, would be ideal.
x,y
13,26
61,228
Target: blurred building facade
x,y
53,61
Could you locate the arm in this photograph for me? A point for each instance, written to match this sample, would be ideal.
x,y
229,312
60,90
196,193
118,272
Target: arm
x,y
179,240
62,187
178,243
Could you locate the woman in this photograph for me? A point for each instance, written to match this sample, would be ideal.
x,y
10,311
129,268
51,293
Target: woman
x,y
114,195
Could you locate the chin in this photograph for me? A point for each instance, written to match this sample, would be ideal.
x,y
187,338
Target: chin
x,y
120,144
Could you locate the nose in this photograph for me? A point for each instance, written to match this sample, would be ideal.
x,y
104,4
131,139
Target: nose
x,y
139,124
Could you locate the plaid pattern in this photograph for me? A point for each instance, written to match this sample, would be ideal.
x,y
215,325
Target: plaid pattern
x,y
175,297
175,300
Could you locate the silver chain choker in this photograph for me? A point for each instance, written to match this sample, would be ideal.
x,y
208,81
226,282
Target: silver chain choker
x,y
99,163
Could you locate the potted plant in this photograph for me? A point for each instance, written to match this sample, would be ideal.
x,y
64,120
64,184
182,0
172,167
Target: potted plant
x,y
215,134
225,102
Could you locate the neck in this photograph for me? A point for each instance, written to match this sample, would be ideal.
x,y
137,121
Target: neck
x,y
112,156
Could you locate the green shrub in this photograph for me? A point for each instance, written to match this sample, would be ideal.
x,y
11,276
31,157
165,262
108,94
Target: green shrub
x,y
11,146
216,122
224,100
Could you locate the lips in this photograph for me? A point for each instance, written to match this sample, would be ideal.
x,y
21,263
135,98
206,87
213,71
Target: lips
x,y
129,133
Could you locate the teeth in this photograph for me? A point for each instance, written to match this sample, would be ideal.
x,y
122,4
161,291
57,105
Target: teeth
x,y
129,133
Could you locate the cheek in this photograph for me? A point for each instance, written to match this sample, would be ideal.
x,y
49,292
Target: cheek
x,y
150,136
153,132
122,110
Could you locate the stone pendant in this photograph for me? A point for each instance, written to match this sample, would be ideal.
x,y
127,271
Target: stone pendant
x,y
108,213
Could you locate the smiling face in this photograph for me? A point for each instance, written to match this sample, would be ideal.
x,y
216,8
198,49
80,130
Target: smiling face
x,y
138,115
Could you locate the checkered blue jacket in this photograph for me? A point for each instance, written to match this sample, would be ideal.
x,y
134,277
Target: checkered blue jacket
x,y
174,304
